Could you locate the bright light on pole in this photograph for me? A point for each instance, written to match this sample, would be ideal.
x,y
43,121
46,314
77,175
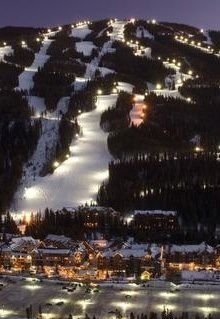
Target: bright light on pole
x,y
56,164
158,86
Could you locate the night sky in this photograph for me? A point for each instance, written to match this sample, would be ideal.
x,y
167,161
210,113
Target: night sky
x,y
201,13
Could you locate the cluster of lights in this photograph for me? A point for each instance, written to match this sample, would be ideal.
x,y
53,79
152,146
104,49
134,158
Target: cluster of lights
x,y
193,42
198,149
173,61
23,42
81,23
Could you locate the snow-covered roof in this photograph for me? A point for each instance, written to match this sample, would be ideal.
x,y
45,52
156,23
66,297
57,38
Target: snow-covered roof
x,y
55,251
201,248
58,238
19,243
155,212
135,250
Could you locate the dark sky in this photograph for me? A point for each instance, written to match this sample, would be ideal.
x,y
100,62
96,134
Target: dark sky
x,y
201,13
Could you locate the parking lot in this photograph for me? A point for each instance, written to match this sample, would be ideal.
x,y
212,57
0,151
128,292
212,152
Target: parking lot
x,y
57,302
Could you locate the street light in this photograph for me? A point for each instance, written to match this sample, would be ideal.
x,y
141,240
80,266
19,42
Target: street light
x,y
158,86
198,149
56,164
99,92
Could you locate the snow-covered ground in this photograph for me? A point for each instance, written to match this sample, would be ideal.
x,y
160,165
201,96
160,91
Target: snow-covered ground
x,y
37,104
142,32
85,47
81,31
208,38
5,50
26,77
104,71
80,83
126,87
45,148
76,180
94,64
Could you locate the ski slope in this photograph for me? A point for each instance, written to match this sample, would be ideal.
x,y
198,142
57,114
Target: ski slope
x,y
26,77
81,31
76,180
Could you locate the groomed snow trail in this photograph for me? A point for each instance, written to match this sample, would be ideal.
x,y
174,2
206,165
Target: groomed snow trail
x,y
76,180
26,77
